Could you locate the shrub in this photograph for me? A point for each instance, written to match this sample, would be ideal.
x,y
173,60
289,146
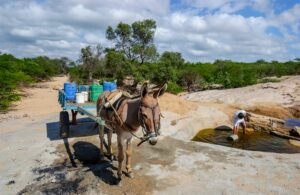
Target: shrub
x,y
174,88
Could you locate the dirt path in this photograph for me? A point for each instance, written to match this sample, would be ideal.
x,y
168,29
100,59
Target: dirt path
x,y
38,100
34,160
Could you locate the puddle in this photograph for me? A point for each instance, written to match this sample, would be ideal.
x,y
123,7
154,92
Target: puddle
x,y
256,141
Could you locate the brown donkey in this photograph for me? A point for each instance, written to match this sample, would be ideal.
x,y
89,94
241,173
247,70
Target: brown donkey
x,y
126,117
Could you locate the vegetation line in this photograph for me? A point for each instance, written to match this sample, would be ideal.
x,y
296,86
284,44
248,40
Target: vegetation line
x,y
134,54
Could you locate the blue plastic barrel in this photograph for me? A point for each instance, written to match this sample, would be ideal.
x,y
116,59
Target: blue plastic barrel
x,y
82,88
113,86
70,91
109,86
106,86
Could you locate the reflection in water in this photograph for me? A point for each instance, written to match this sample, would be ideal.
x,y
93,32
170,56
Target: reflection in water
x,y
258,141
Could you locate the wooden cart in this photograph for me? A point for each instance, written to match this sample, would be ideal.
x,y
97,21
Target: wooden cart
x,y
83,109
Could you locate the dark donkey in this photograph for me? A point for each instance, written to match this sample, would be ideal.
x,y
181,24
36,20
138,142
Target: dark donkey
x,y
129,115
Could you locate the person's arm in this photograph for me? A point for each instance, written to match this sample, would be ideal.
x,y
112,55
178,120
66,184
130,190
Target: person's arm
x,y
244,128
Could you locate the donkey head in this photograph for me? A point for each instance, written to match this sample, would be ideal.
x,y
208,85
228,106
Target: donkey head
x,y
150,111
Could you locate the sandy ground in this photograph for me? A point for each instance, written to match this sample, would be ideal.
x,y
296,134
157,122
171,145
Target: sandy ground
x,y
37,101
34,160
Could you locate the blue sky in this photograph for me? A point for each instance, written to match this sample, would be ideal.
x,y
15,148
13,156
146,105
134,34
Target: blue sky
x,y
202,30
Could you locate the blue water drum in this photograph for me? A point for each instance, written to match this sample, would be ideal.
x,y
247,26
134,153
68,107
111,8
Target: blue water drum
x,y
113,85
82,88
70,91
106,86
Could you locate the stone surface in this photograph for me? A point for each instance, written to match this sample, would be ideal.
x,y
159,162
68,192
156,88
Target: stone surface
x,y
294,142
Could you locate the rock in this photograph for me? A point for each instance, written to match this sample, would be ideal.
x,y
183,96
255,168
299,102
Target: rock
x,y
294,142
295,110
223,128
249,130
267,124
215,86
295,131
269,86
25,115
233,137
56,87
11,182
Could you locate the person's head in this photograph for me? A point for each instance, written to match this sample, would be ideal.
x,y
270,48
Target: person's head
x,y
241,115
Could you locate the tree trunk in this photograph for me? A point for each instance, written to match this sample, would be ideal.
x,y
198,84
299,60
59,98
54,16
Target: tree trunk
x,y
267,124
90,77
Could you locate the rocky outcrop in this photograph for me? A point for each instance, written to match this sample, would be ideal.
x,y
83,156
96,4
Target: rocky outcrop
x,y
265,123
271,125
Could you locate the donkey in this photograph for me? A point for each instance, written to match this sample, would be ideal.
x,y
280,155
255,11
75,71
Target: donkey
x,y
129,115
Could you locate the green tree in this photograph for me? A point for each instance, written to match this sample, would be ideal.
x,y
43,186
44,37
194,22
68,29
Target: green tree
x,y
115,62
143,36
91,57
173,59
136,41
122,36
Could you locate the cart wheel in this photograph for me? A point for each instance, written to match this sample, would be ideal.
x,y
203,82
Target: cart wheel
x,y
64,124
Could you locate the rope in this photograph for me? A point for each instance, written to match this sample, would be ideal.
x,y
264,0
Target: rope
x,y
143,139
122,122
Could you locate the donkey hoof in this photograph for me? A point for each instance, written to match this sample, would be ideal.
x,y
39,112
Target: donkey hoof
x,y
119,183
119,176
130,175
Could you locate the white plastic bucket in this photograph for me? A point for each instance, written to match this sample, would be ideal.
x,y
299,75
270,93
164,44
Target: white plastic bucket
x,y
79,98
86,95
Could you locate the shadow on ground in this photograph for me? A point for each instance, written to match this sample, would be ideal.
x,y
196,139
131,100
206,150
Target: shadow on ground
x,y
84,127
89,156
89,169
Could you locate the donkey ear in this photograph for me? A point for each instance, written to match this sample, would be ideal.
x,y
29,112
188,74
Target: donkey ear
x,y
144,89
161,89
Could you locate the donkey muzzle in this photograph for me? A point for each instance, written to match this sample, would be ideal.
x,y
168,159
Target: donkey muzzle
x,y
152,139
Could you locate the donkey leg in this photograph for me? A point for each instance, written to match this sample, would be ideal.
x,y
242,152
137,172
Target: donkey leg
x,y
128,158
120,155
101,136
110,152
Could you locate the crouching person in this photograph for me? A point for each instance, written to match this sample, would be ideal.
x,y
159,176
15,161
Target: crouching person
x,y
239,119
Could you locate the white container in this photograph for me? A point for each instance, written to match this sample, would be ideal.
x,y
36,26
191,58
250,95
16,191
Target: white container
x,y
86,95
233,137
79,98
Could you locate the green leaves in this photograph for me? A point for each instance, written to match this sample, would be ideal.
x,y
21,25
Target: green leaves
x,y
91,57
18,72
173,59
135,41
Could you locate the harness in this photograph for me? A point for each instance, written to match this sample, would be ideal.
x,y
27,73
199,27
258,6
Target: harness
x,y
146,133
142,121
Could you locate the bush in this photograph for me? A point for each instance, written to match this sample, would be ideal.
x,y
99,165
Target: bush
x,y
174,88
16,72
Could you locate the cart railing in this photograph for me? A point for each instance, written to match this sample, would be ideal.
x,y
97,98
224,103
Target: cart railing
x,y
71,105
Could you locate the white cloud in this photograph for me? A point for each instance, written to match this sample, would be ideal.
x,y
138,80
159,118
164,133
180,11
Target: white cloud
x,y
57,28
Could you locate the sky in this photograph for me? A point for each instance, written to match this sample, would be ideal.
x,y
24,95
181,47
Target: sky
x,y
201,30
